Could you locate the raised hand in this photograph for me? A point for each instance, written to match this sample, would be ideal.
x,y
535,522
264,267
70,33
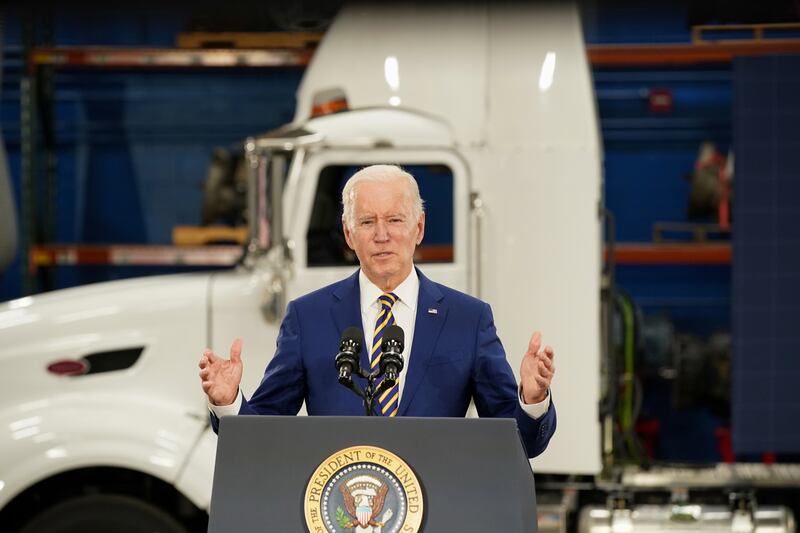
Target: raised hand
x,y
536,371
221,377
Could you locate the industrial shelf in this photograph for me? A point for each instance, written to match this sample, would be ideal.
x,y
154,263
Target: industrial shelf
x,y
227,255
172,58
673,253
599,55
132,255
643,55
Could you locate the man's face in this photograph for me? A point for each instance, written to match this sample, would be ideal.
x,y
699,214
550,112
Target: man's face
x,y
385,233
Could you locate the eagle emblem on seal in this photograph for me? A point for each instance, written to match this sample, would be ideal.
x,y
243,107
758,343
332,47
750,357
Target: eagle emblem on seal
x,y
364,497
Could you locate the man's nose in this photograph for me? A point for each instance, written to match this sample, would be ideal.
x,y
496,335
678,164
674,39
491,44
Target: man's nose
x,y
381,231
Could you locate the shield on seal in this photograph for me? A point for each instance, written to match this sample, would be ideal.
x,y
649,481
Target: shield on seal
x,y
363,515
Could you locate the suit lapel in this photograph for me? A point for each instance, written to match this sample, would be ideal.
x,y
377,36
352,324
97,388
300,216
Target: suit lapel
x,y
427,327
346,308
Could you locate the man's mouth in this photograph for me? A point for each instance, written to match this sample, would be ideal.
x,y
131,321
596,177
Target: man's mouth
x,y
382,254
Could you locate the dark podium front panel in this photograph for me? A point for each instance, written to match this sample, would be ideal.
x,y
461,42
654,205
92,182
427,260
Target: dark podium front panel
x,y
473,473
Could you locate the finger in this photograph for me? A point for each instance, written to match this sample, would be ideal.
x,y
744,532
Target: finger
x,y
535,343
206,386
236,350
549,352
543,383
204,374
211,356
546,361
544,371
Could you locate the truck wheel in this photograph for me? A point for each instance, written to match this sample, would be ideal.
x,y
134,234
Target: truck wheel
x,y
101,513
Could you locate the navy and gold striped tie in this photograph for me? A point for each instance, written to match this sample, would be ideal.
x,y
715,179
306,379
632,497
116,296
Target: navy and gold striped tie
x,y
389,400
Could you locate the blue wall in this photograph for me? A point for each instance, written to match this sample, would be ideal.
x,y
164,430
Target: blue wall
x,y
767,256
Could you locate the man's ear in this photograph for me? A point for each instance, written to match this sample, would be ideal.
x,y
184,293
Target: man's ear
x,y
347,236
421,228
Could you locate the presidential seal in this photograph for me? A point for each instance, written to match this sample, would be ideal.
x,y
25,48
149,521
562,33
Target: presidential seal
x,y
363,489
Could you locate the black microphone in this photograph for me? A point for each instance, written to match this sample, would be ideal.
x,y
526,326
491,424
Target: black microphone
x,y
347,358
392,353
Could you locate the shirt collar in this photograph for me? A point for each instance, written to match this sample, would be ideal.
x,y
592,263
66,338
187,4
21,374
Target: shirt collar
x,y
407,291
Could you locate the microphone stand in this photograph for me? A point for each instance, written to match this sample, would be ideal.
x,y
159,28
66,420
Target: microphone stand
x,y
370,392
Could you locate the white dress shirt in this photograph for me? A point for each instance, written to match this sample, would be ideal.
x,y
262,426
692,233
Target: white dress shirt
x,y
405,312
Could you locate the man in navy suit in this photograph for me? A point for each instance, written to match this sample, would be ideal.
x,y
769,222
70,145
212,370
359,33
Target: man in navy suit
x,y
452,351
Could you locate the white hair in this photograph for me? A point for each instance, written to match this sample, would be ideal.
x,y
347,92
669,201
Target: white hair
x,y
379,173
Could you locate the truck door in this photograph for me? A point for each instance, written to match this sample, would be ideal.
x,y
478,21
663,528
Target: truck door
x,y
314,210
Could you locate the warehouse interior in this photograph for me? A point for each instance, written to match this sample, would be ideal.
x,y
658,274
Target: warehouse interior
x,y
122,156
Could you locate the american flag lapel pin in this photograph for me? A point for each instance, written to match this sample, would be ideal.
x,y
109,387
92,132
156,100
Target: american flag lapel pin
x,y
433,311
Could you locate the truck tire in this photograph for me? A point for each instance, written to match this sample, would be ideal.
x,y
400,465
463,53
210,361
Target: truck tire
x,y
104,513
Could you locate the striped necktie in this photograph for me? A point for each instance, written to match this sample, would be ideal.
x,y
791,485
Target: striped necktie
x,y
389,400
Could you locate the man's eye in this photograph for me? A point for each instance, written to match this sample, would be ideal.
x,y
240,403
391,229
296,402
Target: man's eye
x,y
395,220
366,222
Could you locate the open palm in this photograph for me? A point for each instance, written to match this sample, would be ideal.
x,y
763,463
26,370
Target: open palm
x,y
221,377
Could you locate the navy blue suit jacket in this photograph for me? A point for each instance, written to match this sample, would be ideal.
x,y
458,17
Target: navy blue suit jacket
x,y
456,356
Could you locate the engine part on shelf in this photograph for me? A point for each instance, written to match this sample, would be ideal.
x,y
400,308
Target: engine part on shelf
x,y
225,189
658,333
710,192
698,367
702,372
